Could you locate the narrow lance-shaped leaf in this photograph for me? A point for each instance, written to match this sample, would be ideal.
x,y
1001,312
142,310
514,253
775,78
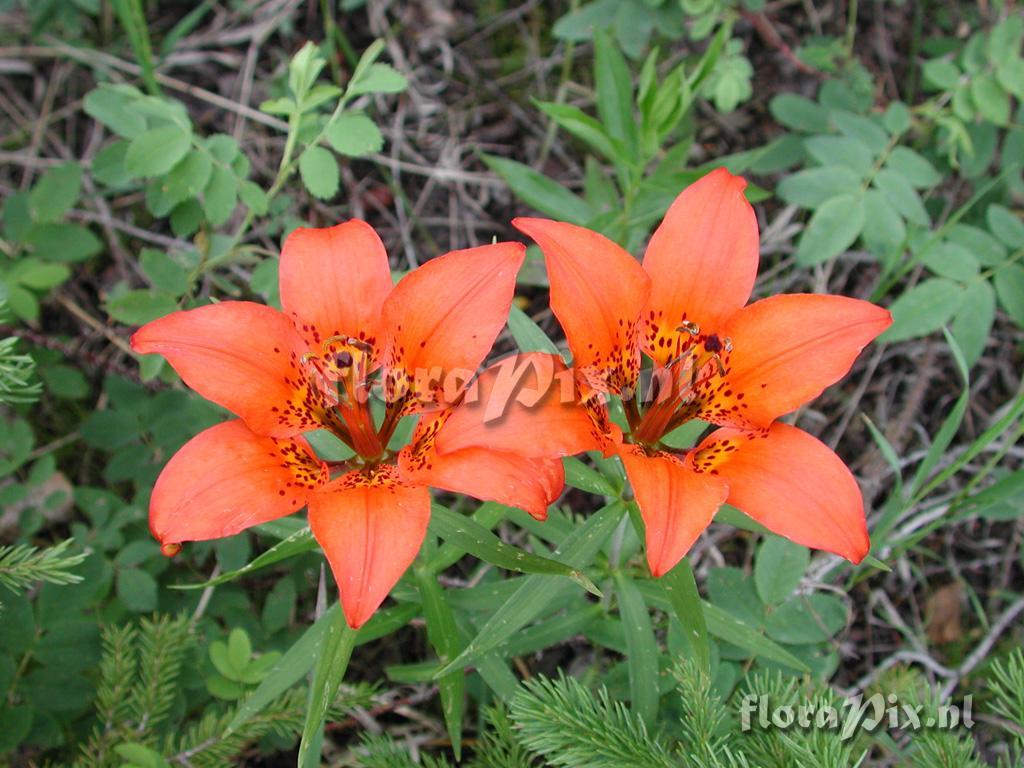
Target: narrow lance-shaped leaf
x,y
536,593
481,543
298,543
444,637
332,661
680,589
642,656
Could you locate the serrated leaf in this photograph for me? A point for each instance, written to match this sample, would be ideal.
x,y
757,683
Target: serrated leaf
x,y
354,134
319,171
378,78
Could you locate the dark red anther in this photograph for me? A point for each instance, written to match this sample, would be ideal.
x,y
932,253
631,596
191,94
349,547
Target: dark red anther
x,y
713,344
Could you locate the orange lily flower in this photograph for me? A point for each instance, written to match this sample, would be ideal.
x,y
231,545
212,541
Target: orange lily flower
x,y
715,358
310,366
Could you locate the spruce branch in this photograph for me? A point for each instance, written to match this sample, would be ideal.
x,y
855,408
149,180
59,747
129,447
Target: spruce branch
x,y
22,565
565,724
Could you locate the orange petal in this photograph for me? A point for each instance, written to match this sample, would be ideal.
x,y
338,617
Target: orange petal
x,y
370,525
227,479
334,281
442,319
524,403
244,356
702,260
785,351
675,502
791,483
502,476
597,293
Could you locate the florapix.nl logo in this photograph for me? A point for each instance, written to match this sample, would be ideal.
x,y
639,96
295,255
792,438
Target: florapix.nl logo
x,y
853,714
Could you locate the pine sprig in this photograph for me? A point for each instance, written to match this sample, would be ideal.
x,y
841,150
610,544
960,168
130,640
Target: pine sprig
x,y
17,371
22,565
497,746
569,726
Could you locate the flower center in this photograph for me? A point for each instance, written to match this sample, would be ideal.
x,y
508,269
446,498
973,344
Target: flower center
x,y
678,389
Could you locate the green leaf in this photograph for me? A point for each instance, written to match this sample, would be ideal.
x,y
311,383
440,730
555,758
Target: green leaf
x,y
377,78
950,425
297,543
579,475
471,537
537,592
319,172
38,275
642,650
140,306
354,134
884,229
113,105
991,100
221,195
861,128
136,589
165,274
680,589
332,661
806,619
973,321
585,128
155,152
923,309
799,113
841,150
614,89
952,260
1005,225
812,187
444,637
778,568
304,69
63,242
108,165
902,196
540,192
912,167
832,229
239,649
56,191
1009,283
253,197
189,177
940,74
528,335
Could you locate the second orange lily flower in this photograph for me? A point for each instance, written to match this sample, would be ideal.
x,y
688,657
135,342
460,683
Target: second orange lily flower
x,y
714,358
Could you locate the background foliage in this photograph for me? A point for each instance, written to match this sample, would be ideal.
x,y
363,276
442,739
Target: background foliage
x,y
154,154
